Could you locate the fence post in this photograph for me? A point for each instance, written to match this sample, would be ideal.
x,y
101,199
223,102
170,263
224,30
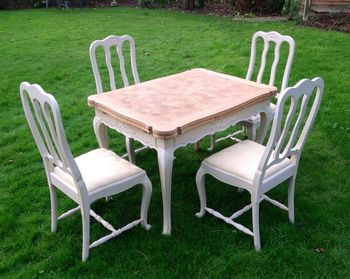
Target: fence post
x,y
307,9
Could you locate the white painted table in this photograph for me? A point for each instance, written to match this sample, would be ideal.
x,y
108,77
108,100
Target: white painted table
x,y
173,111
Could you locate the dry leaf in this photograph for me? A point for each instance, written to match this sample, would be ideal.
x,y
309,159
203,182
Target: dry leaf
x,y
320,250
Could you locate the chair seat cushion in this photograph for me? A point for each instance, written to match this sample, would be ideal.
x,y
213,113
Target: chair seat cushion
x,y
242,159
99,168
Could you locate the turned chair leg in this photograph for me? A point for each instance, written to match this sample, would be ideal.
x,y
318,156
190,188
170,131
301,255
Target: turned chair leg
x,y
256,227
53,198
196,146
85,214
130,149
291,187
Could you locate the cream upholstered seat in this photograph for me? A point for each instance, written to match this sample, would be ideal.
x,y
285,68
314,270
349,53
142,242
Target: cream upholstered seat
x,y
259,168
86,178
242,160
100,168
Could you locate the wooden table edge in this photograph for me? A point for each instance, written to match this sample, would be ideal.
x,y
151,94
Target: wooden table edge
x,y
140,125
222,114
176,131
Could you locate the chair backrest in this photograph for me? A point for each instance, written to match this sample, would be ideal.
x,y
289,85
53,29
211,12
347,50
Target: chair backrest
x,y
278,40
107,44
44,119
285,139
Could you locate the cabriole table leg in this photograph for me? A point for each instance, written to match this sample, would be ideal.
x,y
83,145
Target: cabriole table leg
x,y
101,132
265,120
165,151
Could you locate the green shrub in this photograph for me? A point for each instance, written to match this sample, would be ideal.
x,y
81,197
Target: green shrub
x,y
146,3
20,4
291,8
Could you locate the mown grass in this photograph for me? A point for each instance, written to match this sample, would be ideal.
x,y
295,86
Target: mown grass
x,y
51,49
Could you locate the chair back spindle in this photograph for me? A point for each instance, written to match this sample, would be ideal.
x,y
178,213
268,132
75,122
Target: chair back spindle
x,y
288,137
269,38
107,44
44,119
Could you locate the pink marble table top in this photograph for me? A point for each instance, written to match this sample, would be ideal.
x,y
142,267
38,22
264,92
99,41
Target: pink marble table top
x,y
168,106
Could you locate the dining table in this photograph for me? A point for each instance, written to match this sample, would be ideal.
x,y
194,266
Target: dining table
x,y
176,110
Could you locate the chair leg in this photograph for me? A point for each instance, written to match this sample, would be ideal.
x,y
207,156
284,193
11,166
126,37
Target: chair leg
x,y
53,198
109,198
291,187
200,181
256,227
146,197
212,143
85,215
130,149
196,146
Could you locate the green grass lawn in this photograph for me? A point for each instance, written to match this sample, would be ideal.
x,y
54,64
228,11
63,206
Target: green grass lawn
x,y
51,49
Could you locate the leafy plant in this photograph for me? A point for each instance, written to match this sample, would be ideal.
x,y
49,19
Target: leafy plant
x,y
39,3
147,4
291,8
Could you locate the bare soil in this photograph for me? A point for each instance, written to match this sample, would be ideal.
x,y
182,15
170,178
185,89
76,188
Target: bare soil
x,y
338,22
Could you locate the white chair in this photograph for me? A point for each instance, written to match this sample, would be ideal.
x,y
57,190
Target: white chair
x,y
116,42
268,38
258,168
86,178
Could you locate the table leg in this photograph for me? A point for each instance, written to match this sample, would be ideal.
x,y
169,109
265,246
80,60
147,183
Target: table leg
x,y
165,162
265,120
101,132
251,131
